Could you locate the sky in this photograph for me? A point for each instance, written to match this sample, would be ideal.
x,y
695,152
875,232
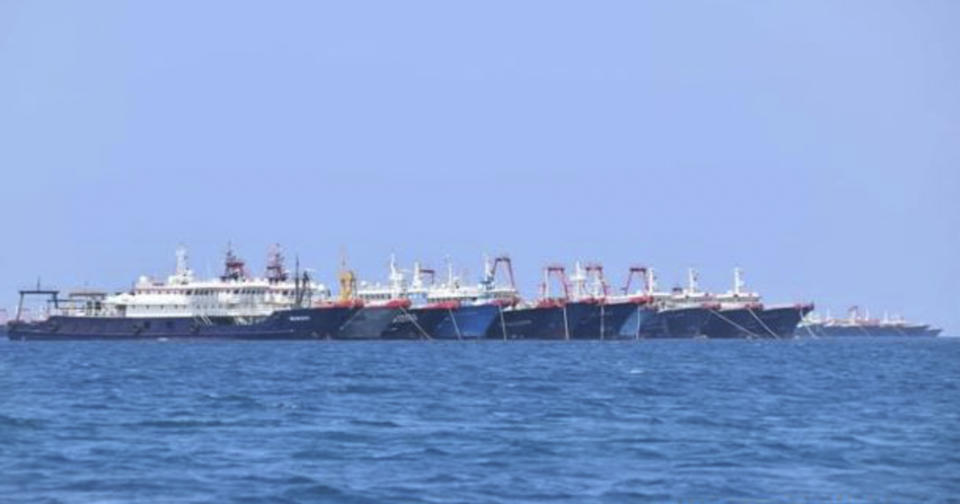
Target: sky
x,y
812,143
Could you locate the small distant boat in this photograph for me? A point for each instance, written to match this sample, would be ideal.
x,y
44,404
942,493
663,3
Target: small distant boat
x,y
860,324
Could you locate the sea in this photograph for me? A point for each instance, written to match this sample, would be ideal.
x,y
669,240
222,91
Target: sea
x,y
687,421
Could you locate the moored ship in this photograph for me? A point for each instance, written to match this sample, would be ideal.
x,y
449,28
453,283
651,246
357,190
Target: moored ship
x,y
232,306
473,309
371,315
449,310
549,317
860,324
737,316
742,314
606,313
412,319
676,314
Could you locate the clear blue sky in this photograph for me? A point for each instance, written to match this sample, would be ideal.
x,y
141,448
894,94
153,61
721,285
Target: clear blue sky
x,y
814,143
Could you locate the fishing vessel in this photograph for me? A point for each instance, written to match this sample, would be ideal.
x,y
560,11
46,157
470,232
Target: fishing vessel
x,y
235,305
742,314
372,313
605,313
737,316
781,320
448,310
680,313
860,324
415,318
549,317
473,309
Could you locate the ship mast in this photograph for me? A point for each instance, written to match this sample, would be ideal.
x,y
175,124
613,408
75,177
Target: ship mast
x,y
275,271
738,283
579,281
234,267
560,272
640,271
692,281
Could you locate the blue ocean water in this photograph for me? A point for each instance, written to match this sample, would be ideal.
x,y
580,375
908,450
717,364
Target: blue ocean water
x,y
654,421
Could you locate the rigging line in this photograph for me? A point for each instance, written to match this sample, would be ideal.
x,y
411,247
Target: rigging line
x,y
636,335
602,316
350,318
734,324
503,322
763,325
413,319
456,327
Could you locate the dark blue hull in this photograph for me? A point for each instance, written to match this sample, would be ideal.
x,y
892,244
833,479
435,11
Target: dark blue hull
x,y
634,326
552,322
735,323
416,323
782,322
467,322
820,330
666,323
308,323
603,321
367,323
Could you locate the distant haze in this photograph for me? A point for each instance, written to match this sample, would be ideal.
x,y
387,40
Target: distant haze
x,y
813,143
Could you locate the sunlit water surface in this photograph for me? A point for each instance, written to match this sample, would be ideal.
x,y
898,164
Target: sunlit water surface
x,y
667,421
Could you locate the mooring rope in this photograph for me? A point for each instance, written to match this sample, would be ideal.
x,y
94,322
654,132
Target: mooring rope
x,y
456,327
503,322
734,324
763,325
413,319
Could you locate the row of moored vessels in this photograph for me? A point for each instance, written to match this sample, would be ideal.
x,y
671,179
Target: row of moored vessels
x,y
858,323
411,304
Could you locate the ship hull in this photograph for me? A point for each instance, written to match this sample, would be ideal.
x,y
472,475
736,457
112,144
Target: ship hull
x,y
666,323
416,323
467,322
603,321
636,324
309,323
782,321
550,322
848,331
735,323
368,323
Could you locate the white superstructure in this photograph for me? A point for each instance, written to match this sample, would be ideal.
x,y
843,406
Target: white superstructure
x,y
739,296
233,294
420,290
487,291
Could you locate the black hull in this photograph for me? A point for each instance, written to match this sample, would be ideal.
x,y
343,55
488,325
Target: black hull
x,y
417,323
307,323
367,323
603,321
819,330
684,322
553,322
783,322
467,322
736,323
665,323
